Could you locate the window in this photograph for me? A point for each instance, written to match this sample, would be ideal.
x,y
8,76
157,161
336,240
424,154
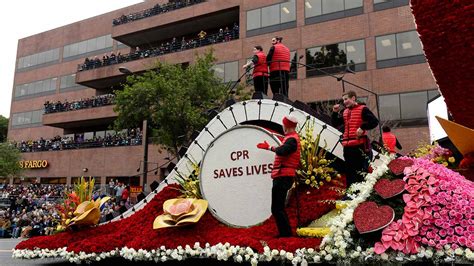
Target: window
x,y
408,108
271,18
27,119
385,4
38,59
294,65
334,58
88,46
37,88
69,82
227,71
399,49
323,10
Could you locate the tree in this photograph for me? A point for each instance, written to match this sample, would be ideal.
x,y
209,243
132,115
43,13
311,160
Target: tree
x,y
174,99
3,128
9,160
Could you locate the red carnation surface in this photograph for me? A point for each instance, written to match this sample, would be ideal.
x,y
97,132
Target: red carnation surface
x,y
137,230
447,33
397,166
389,188
368,217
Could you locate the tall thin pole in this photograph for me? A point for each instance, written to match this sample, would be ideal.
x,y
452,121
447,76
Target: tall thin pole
x,y
145,154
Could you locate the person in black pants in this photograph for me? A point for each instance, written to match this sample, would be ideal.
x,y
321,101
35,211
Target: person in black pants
x,y
287,160
357,120
278,58
260,70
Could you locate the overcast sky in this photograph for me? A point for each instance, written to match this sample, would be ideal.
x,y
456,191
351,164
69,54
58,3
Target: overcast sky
x,y
22,18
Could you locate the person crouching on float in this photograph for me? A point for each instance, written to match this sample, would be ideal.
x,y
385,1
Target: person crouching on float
x,y
287,160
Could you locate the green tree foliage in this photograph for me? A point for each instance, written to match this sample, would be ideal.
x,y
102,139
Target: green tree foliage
x,y
3,128
9,160
174,99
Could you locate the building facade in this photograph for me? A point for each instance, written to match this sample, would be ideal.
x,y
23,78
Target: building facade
x,y
62,107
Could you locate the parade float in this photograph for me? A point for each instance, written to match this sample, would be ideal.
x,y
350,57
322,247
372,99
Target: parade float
x,y
215,204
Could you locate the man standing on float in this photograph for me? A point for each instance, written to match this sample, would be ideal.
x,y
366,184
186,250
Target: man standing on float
x,y
357,119
278,59
287,160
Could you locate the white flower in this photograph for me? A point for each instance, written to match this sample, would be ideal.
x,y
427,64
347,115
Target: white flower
x,y
310,250
384,256
238,259
282,253
428,253
289,256
328,257
254,262
275,252
316,258
458,251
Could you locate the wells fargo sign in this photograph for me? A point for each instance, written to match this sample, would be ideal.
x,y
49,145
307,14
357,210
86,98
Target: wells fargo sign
x,y
31,164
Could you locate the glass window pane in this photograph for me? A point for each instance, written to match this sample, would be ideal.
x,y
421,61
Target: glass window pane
x,y
219,71
231,71
414,104
382,1
82,49
288,11
66,50
108,41
352,4
54,82
385,46
41,58
55,54
270,15
355,52
253,19
312,8
100,42
74,49
91,45
36,117
330,6
100,134
432,94
389,107
33,60
408,44
88,135
294,61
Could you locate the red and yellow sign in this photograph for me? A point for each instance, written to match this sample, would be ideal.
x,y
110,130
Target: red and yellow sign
x,y
33,164
135,189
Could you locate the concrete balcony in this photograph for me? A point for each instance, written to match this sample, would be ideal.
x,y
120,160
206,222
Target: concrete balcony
x,y
81,118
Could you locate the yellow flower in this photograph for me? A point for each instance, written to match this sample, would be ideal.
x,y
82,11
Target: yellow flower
x,y
451,160
312,178
321,183
445,163
323,161
328,179
307,181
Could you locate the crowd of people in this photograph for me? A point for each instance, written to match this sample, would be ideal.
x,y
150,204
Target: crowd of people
x,y
202,38
30,210
130,138
155,10
94,101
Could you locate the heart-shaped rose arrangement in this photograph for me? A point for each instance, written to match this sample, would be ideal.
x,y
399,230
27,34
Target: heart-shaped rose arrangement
x,y
389,188
397,166
368,217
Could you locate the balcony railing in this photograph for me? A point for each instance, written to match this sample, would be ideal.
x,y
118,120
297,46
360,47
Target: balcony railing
x,y
97,101
156,10
165,48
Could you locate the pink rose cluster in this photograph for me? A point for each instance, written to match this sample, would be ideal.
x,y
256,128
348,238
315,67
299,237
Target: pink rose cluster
x,y
439,211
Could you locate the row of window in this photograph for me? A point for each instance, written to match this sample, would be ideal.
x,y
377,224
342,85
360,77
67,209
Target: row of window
x,y
70,50
27,119
37,87
274,17
409,106
47,86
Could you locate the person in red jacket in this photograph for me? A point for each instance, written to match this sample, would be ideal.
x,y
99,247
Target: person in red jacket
x,y
287,160
278,58
357,120
390,141
260,70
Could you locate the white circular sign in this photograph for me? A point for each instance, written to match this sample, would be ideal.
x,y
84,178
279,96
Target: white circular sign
x,y
236,176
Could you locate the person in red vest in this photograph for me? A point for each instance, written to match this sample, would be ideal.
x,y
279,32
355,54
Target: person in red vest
x,y
390,141
357,120
260,70
278,58
287,160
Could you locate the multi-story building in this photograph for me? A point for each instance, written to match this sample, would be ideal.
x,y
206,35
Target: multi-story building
x,y
376,38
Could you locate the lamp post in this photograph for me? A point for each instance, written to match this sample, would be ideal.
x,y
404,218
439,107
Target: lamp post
x,y
127,71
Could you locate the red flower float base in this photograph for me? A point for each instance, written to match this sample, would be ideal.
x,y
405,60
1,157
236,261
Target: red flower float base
x,y
137,232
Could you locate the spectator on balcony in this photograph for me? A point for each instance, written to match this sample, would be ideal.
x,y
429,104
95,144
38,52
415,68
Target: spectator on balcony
x,y
202,36
227,34
279,60
260,69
